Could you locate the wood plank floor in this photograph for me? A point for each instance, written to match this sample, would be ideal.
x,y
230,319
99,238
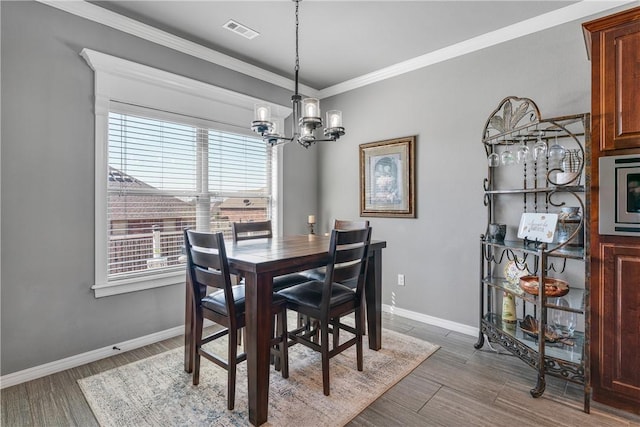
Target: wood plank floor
x,y
457,386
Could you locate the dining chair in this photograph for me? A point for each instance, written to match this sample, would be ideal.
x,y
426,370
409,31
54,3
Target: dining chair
x,y
251,230
320,273
263,230
328,301
339,224
208,266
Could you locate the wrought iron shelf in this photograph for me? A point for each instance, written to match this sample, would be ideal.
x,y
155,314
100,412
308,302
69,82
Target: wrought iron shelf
x,y
551,249
560,360
559,189
560,127
575,298
539,163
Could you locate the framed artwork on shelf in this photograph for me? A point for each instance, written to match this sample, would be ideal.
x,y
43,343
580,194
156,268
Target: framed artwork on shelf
x,y
387,178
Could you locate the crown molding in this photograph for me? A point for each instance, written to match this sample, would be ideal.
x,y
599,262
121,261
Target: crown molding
x,y
542,22
539,23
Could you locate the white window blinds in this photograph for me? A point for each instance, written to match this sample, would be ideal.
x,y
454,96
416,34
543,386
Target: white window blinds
x,y
166,175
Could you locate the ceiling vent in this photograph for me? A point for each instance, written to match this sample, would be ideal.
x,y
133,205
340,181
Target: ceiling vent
x,y
243,30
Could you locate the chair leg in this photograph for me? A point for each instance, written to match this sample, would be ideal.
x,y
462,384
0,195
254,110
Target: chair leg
x,y
336,332
198,338
359,328
284,344
231,371
363,310
274,359
315,324
324,331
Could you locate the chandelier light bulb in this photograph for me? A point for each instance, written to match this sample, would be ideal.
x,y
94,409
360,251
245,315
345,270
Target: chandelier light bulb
x,y
262,112
311,107
334,119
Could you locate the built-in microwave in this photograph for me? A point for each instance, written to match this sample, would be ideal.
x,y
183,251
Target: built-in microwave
x,y
620,195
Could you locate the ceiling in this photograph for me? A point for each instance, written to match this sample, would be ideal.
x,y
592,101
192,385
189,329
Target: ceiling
x,y
339,40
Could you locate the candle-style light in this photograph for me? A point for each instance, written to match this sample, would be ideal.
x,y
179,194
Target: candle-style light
x,y
306,115
263,112
311,220
334,119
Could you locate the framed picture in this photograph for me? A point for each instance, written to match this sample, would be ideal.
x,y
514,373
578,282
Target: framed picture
x,y
387,178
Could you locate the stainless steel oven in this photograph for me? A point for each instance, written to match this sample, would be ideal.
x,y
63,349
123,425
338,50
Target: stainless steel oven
x,y
620,195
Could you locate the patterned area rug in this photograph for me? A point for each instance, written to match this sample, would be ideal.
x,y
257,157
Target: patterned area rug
x,y
158,392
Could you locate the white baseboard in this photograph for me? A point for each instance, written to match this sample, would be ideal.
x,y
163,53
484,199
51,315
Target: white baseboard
x,y
101,353
84,358
430,320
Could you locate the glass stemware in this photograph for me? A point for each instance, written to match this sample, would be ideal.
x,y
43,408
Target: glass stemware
x,y
556,154
539,148
506,157
563,322
494,160
523,155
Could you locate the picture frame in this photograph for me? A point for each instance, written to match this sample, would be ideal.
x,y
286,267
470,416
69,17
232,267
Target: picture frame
x,y
387,178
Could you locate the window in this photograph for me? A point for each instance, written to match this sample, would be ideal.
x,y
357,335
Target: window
x,y
171,152
164,176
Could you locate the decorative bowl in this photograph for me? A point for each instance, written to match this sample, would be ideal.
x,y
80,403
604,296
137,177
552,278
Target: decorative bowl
x,y
552,287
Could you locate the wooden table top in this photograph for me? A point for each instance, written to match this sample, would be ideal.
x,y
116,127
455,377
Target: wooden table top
x,y
278,254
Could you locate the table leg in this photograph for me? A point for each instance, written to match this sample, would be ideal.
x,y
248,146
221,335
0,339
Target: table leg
x,y
258,299
373,298
189,350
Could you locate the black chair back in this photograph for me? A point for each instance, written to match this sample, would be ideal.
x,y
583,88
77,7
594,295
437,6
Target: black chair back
x,y
208,266
251,230
343,224
349,250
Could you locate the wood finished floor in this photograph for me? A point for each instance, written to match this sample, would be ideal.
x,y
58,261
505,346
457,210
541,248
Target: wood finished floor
x,y
457,386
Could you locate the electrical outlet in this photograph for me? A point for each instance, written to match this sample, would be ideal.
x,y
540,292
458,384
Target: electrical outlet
x,y
400,279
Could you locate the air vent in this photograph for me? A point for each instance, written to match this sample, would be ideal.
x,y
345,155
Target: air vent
x,y
243,30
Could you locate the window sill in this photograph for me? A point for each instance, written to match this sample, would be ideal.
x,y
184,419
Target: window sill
x,y
139,284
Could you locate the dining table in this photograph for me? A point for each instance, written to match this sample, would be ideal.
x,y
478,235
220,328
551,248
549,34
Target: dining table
x,y
259,261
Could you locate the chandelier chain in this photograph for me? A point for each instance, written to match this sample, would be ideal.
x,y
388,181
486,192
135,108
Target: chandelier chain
x,y
297,36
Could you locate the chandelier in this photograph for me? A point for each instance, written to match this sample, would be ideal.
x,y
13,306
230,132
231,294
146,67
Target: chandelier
x,y
306,116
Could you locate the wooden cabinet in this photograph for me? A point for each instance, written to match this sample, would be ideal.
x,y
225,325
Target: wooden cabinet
x,y
621,299
615,55
616,325
614,43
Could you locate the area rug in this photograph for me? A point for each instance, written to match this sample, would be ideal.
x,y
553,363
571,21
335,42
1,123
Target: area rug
x,y
158,392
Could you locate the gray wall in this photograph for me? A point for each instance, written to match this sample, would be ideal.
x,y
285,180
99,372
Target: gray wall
x,y
446,106
48,309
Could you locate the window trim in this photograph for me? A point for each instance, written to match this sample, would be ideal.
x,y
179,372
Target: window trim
x,y
128,82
